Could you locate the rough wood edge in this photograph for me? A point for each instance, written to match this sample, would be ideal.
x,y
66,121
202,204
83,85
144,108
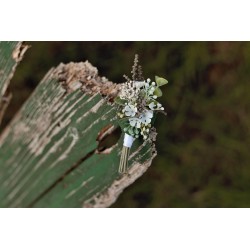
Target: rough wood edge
x,y
17,56
108,197
71,77
84,76
6,97
95,84
4,103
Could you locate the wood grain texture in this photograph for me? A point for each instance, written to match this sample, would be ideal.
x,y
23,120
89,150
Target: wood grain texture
x,y
11,53
49,153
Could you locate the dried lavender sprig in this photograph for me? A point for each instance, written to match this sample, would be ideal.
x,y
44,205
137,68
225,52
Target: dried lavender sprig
x,y
127,78
135,68
140,73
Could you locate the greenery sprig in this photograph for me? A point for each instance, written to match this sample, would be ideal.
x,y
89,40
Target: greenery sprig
x,y
137,105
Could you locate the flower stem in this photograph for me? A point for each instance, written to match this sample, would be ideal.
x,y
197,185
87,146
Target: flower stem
x,y
123,167
127,144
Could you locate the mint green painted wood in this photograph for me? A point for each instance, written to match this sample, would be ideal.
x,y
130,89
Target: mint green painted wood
x,y
48,154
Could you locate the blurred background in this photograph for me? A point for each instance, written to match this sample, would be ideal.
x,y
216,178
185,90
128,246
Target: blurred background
x,y
203,143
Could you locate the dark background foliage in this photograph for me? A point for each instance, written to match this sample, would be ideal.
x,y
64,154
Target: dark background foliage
x,y
203,143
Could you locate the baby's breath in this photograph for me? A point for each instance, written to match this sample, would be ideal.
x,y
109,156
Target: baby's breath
x,y
139,106
138,103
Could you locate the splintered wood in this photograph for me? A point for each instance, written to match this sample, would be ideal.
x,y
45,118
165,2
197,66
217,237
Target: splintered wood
x,y
48,154
11,53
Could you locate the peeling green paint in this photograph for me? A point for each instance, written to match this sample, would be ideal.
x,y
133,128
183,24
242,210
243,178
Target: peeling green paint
x,y
48,154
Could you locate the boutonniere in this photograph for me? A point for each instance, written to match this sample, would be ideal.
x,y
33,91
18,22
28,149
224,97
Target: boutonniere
x,y
137,106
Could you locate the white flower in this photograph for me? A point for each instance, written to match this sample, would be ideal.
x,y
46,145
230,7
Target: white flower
x,y
151,91
135,122
146,117
128,91
130,110
151,106
156,106
139,84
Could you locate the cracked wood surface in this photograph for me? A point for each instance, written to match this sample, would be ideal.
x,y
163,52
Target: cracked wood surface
x,y
11,53
49,153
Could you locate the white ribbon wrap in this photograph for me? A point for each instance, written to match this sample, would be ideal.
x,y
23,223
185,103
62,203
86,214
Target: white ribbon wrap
x,y
128,140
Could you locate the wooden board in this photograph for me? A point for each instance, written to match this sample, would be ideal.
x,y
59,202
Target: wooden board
x,y
11,53
49,153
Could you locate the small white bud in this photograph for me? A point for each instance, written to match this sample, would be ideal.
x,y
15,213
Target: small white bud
x,y
154,96
148,80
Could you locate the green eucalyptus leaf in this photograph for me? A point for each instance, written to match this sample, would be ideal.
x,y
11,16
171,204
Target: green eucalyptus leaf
x,y
119,101
123,123
158,92
160,81
125,129
131,131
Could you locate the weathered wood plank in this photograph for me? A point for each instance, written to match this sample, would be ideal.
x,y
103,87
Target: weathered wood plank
x,y
11,53
49,153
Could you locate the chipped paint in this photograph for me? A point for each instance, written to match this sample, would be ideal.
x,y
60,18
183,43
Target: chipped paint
x,y
84,183
54,136
19,51
8,52
97,106
75,137
74,86
107,130
108,197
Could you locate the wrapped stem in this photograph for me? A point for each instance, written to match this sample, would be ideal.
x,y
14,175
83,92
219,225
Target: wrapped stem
x,y
127,143
123,167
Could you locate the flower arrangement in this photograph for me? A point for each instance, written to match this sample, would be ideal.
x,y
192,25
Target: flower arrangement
x,y
137,107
